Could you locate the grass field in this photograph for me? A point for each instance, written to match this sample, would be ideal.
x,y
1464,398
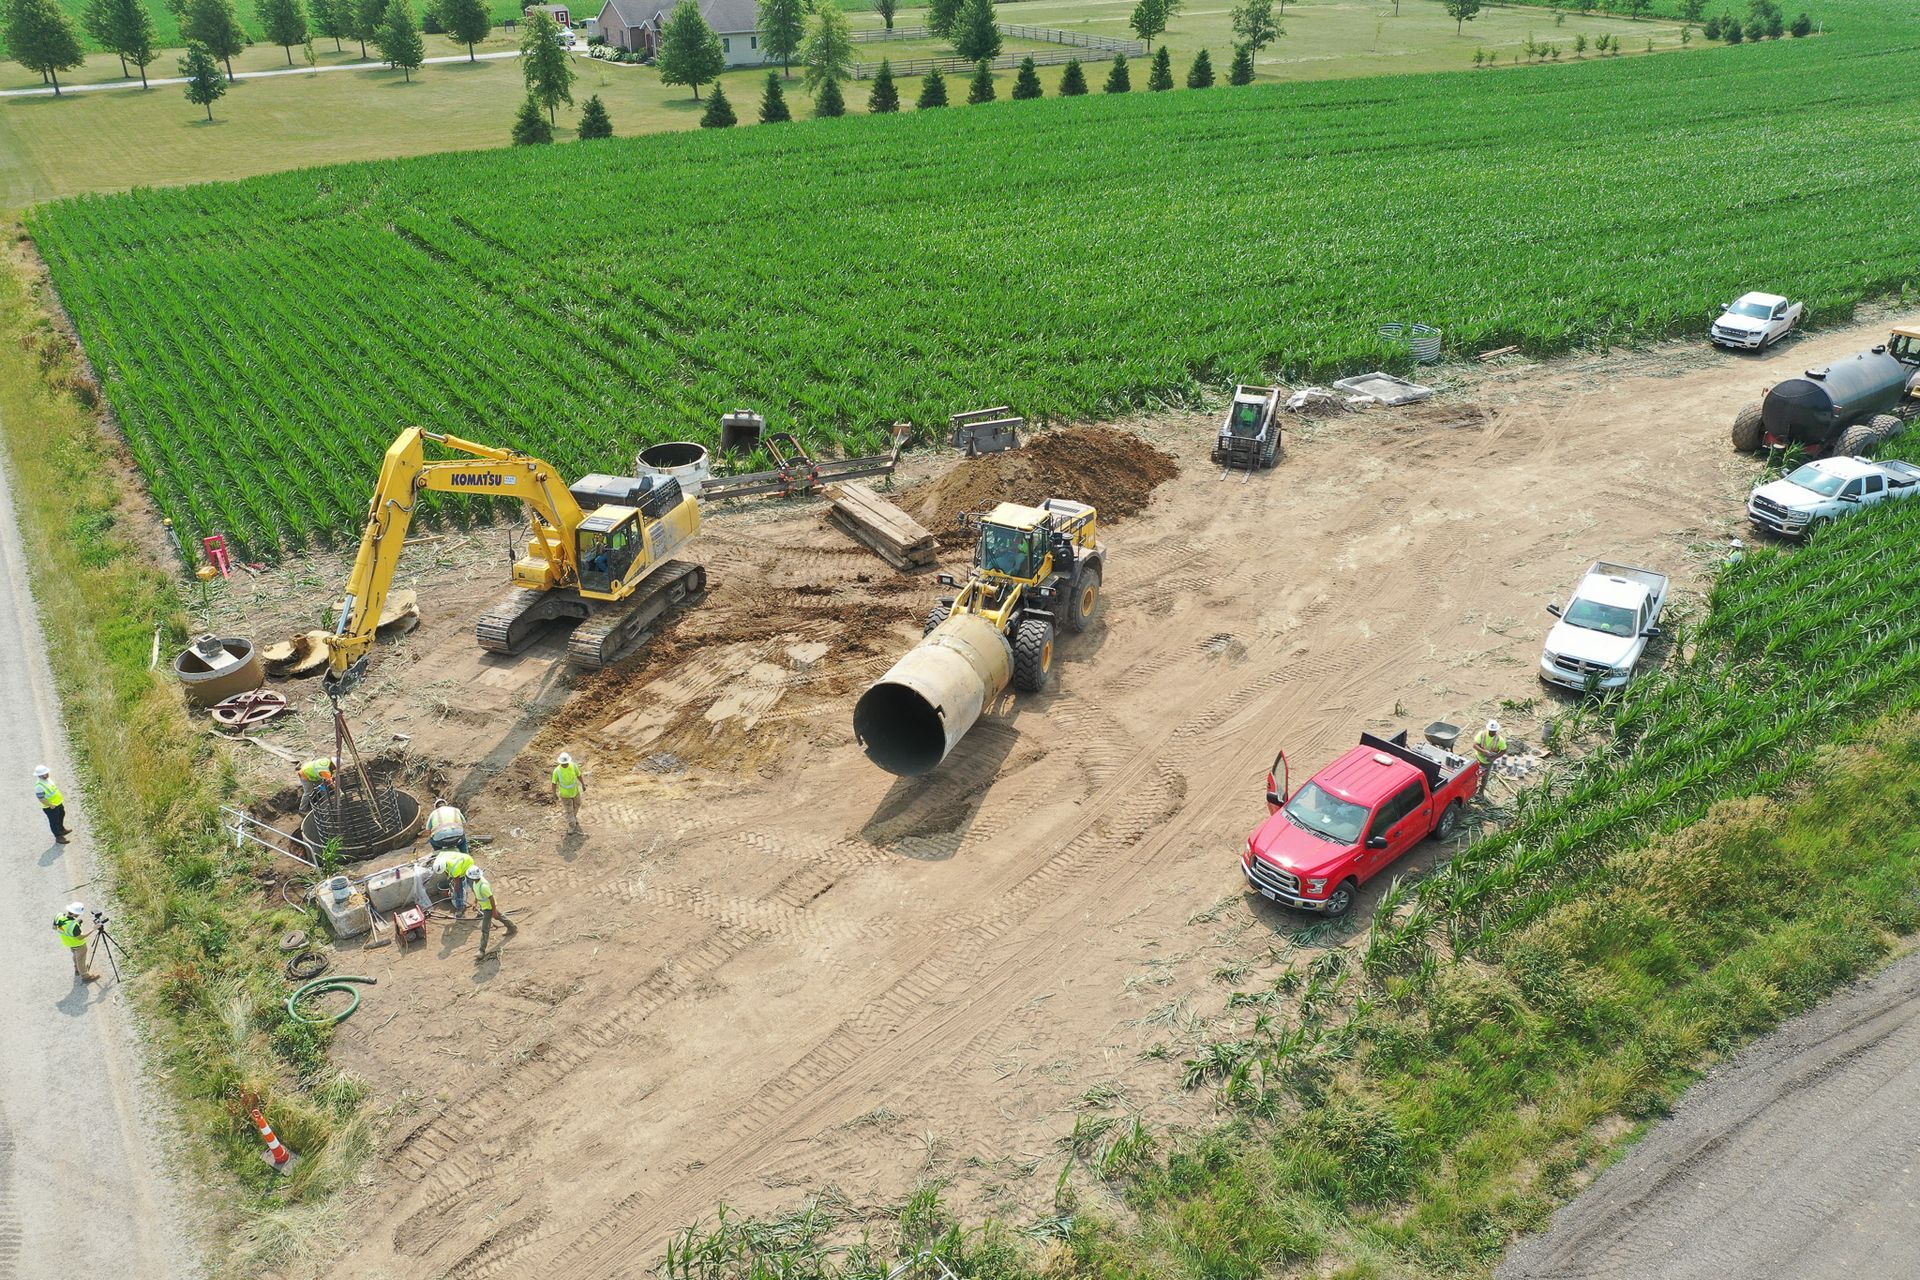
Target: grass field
x,y
1112,251
112,141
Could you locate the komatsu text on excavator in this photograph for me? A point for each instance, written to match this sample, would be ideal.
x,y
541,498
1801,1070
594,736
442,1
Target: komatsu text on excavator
x,y
599,552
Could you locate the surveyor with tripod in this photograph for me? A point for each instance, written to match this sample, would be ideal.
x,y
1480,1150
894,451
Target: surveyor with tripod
x,y
71,926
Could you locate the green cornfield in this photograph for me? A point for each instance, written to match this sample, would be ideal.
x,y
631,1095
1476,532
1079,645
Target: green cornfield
x,y
262,341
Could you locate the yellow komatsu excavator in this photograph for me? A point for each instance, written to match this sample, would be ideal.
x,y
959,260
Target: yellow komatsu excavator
x,y
599,551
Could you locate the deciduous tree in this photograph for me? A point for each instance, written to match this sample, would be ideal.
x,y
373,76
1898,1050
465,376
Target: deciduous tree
x,y
42,37
941,16
1462,12
399,38
933,90
133,35
981,88
467,21
719,112
885,98
1161,77
1119,80
1253,23
1150,18
99,29
529,126
977,34
285,22
828,52
690,52
1241,72
783,25
204,85
1073,80
214,24
594,121
334,20
886,9
1200,74
368,15
547,67
773,103
1026,85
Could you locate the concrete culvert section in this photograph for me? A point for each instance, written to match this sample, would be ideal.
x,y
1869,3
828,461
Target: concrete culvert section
x,y
910,718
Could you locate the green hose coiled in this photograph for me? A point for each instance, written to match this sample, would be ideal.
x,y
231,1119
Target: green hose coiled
x,y
321,985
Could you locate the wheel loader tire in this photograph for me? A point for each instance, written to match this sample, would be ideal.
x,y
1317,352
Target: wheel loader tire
x,y
1885,426
1856,441
1032,655
1084,602
1747,427
935,616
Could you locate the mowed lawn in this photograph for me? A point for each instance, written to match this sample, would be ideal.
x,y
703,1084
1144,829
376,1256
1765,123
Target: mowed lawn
x,y
115,139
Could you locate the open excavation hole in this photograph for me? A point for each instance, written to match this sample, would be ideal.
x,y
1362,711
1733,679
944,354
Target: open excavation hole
x,y
363,828
902,732
674,453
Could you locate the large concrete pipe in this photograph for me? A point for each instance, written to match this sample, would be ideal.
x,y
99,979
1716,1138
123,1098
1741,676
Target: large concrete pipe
x,y
912,716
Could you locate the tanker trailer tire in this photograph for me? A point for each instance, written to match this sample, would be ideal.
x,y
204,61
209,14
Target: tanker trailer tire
x,y
1856,441
1084,601
1885,426
1032,655
1747,426
937,615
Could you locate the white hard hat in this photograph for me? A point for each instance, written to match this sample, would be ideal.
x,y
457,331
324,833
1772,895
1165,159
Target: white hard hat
x,y
564,759
474,873
41,771
1493,726
1737,543
76,908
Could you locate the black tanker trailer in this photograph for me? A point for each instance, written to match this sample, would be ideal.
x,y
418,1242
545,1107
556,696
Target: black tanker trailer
x,y
1849,407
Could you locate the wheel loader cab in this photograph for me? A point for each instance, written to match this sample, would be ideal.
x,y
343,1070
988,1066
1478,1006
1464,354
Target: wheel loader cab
x,y
1013,543
610,541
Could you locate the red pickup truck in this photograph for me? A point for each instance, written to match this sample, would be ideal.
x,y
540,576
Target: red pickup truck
x,y
1354,818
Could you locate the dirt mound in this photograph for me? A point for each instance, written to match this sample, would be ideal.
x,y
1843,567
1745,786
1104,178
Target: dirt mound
x,y
1113,470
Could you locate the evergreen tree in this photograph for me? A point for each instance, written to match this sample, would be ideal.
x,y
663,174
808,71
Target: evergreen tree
x,y
529,126
977,34
829,102
828,51
1026,85
204,85
1118,79
41,36
467,22
933,90
942,15
95,21
885,98
285,22
690,52
773,103
594,121
133,34
1253,23
334,20
1200,74
214,24
368,16
1073,80
981,90
1241,72
399,38
547,67
1161,77
719,112
783,24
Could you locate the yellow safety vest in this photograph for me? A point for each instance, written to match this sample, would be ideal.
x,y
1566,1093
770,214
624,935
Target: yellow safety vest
x,y
454,865
566,780
315,770
446,816
482,894
69,927
1488,747
49,793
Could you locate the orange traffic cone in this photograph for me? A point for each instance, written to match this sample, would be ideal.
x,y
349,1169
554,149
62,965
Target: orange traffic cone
x,y
278,1158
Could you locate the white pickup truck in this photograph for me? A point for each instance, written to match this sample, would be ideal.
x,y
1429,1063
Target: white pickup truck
x,y
1816,492
1605,627
1755,321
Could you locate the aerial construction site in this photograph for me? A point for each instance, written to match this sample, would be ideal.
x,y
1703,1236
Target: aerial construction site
x,y
824,940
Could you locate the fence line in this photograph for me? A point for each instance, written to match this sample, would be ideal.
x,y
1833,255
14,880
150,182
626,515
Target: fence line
x,y
898,33
960,66
1080,39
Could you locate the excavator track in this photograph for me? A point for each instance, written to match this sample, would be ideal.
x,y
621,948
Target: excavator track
x,y
615,629
517,618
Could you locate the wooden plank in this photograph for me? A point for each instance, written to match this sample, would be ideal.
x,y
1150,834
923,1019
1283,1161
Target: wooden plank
x,y
869,508
913,558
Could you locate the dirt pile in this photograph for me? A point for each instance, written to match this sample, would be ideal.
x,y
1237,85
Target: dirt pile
x,y
1115,471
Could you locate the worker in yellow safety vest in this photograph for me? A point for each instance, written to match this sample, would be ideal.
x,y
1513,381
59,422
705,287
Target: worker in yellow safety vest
x,y
1489,745
316,780
487,909
52,803
568,787
447,833
71,926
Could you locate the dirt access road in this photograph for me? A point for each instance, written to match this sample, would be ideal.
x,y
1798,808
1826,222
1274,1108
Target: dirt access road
x,y
1795,1161
771,971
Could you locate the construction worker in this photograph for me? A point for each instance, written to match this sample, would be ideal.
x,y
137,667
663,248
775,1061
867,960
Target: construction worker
x,y
316,780
568,787
488,909
1489,745
447,834
71,926
52,803
1736,551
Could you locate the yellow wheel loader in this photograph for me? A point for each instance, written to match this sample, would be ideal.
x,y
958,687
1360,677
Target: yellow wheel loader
x,y
1036,573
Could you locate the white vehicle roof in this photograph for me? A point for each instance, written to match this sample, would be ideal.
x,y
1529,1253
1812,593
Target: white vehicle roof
x,y
1845,468
1764,299
1602,589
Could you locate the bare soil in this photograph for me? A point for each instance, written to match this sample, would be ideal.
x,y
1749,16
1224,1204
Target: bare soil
x,y
770,971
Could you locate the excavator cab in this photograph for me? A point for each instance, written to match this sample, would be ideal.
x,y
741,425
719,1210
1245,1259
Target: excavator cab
x,y
609,542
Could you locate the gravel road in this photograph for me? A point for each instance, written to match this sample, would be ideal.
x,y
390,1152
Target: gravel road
x,y
83,1189
1795,1161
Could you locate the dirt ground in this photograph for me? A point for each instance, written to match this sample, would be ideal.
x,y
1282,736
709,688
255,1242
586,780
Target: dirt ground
x,y
770,971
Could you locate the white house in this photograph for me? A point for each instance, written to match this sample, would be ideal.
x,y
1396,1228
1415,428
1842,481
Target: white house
x,y
637,24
